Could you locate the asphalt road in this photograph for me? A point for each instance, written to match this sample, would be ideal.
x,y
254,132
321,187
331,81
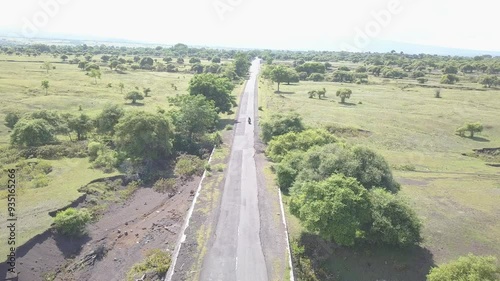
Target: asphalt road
x,y
236,253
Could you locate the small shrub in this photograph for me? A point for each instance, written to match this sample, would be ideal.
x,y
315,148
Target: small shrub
x,y
189,165
129,190
220,167
208,167
229,127
72,222
156,263
165,186
437,93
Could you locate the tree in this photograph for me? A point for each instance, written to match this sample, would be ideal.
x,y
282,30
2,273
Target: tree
x,y
81,125
471,128
194,60
64,57
392,221
82,65
113,64
318,163
193,117
470,267
180,60
105,58
279,124
45,85
144,136
217,89
216,60
11,118
449,79
34,132
121,86
450,69
335,208
146,91
95,73
489,80
279,74
241,63
146,63
344,94
108,118
281,145
311,67
134,96
47,66
316,77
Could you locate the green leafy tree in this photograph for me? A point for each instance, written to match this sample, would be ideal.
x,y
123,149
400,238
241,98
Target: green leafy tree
x,y
279,124
108,118
216,60
113,64
194,60
241,62
193,117
335,208
311,67
214,88
281,145
392,221
45,86
144,136
344,94
134,96
279,74
95,73
318,163
449,79
47,66
467,268
82,65
64,57
472,128
316,77
11,118
81,125
34,132
489,80
146,91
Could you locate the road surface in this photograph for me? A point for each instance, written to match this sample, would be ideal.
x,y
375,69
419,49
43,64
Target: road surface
x,y
236,253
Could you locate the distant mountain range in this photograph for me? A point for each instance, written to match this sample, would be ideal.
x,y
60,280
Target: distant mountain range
x,y
375,46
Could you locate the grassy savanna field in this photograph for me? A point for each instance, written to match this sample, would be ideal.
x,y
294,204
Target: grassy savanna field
x,y
456,196
70,88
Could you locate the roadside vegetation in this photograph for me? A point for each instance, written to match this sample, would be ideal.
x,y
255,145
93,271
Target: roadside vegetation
x,y
137,112
383,162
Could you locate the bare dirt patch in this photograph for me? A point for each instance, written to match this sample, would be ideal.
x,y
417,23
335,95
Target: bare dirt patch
x,y
113,244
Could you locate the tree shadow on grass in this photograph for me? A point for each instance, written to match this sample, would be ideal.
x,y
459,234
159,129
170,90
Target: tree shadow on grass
x,y
224,122
284,93
366,263
480,139
347,103
134,104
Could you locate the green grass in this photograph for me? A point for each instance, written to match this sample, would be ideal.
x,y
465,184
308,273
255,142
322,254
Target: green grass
x,y
34,204
20,85
456,196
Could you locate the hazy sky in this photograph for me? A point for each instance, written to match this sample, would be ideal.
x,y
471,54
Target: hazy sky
x,y
277,24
